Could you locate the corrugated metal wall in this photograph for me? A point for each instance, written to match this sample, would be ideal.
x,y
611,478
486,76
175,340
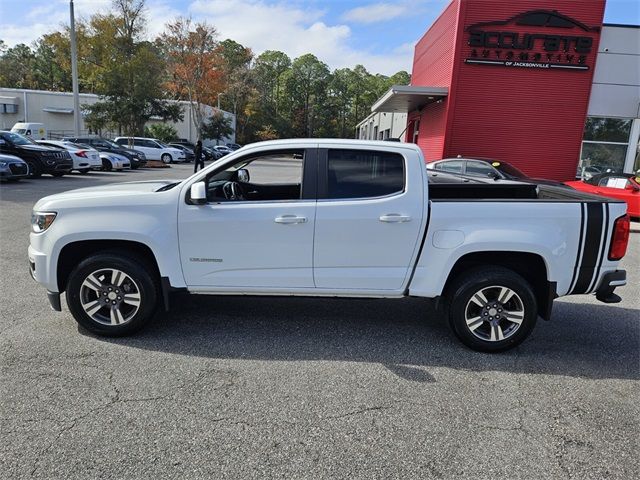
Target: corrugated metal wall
x,y
433,66
530,117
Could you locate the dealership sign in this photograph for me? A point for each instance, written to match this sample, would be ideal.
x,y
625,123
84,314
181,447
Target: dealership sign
x,y
542,48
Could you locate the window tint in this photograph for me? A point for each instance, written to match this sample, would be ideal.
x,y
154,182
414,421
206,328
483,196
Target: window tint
x,y
454,166
362,174
479,169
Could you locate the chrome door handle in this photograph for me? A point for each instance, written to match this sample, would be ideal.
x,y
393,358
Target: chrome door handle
x,y
288,219
395,218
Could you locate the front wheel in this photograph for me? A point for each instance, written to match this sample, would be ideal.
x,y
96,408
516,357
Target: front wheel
x,y
112,294
492,309
34,170
166,158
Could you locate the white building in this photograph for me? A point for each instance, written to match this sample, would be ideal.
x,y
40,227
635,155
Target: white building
x,y
55,111
612,131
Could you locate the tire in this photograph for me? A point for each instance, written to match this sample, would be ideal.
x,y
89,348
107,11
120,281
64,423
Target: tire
x,y
166,158
34,170
508,313
107,166
91,280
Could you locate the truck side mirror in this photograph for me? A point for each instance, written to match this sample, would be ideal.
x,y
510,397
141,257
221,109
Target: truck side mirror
x,y
198,193
243,175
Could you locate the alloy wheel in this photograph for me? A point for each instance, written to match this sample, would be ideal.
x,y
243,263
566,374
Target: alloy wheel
x,y
110,296
494,313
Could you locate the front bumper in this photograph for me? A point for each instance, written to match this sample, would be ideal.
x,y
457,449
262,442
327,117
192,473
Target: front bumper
x,y
38,266
610,281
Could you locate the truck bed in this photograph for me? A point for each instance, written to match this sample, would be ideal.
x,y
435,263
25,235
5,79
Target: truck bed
x,y
507,191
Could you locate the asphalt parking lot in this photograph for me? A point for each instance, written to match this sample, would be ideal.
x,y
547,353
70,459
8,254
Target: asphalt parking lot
x,y
231,387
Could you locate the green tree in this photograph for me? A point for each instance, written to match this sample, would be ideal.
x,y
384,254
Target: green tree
x,y
162,131
16,67
217,127
129,71
306,84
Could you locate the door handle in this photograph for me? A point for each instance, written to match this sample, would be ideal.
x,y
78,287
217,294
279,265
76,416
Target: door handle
x,y
395,218
289,219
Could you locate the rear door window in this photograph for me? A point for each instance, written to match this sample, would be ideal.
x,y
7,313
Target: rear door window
x,y
364,174
455,166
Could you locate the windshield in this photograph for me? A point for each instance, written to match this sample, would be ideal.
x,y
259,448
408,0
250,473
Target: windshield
x,y
16,139
510,171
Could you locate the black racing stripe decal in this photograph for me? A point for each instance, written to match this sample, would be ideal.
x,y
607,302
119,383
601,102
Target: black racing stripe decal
x,y
593,235
603,249
579,250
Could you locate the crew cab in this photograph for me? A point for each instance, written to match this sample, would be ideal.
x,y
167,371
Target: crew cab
x,y
336,218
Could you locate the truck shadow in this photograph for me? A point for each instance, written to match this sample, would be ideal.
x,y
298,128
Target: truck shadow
x,y
407,336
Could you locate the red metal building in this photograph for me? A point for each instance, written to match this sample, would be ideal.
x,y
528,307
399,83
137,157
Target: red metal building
x,y
508,80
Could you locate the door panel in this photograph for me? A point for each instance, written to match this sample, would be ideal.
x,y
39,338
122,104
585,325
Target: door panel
x,y
366,243
243,244
258,244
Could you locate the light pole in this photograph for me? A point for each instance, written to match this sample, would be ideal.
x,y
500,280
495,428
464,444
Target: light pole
x,y
74,72
219,100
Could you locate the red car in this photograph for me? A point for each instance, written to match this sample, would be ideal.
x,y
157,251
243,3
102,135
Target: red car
x,y
621,186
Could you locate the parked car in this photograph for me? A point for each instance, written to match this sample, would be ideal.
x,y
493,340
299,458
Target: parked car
x,y
84,159
13,168
153,149
493,258
621,186
207,152
136,158
234,146
188,153
39,158
487,168
222,150
210,153
113,161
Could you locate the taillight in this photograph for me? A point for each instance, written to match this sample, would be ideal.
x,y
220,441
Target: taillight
x,y
81,153
620,238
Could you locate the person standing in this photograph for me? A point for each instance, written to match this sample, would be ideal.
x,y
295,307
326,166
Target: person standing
x,y
199,160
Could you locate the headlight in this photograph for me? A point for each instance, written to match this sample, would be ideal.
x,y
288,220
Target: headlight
x,y
3,164
40,221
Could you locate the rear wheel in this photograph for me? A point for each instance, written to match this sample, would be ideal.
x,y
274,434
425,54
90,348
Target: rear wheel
x,y
166,158
112,294
492,309
106,165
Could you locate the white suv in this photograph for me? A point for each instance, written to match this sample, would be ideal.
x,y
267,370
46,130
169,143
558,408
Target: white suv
x,y
153,149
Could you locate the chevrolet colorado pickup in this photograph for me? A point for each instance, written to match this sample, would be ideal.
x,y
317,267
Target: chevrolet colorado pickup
x,y
335,218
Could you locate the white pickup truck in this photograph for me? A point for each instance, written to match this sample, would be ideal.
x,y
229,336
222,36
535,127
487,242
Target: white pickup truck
x,y
335,218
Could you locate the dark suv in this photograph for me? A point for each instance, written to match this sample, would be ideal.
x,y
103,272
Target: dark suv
x,y
39,158
207,153
137,159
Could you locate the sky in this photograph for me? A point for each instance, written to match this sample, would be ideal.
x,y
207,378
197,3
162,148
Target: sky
x,y
342,33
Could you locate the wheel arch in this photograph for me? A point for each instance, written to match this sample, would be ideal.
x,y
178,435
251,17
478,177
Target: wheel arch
x,y
530,266
75,252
